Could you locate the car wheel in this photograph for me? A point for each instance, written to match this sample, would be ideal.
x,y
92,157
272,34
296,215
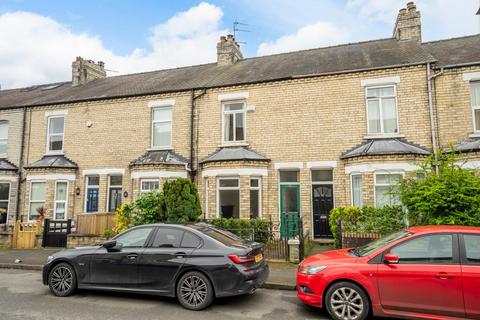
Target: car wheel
x,y
62,280
347,301
194,291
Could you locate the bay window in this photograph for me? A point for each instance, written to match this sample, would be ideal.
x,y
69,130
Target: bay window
x,y
60,209
148,185
475,91
255,198
37,199
357,195
4,201
384,186
382,110
228,191
234,122
162,127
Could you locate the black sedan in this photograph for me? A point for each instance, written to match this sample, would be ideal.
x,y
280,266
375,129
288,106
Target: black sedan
x,y
194,263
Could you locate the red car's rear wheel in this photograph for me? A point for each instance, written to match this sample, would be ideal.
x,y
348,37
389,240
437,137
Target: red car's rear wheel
x,y
347,301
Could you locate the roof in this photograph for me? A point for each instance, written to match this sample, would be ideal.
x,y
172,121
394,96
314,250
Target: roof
x,y
234,154
368,55
160,157
456,51
53,162
469,145
6,165
444,228
376,147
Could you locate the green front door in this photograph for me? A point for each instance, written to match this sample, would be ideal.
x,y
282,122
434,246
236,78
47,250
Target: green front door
x,y
289,209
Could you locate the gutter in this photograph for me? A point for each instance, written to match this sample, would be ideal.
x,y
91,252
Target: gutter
x,y
430,80
20,164
193,171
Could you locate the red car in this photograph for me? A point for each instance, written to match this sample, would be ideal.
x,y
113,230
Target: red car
x,y
422,272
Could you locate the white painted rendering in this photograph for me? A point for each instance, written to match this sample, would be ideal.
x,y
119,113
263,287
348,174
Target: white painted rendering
x,y
159,174
67,177
103,171
471,76
235,172
321,164
379,81
62,112
161,103
233,96
386,167
288,165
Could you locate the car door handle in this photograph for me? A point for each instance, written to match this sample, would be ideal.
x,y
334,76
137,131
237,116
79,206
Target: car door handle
x,y
443,276
132,256
180,254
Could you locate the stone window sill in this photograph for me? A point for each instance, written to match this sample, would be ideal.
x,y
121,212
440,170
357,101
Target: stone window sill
x,y
475,135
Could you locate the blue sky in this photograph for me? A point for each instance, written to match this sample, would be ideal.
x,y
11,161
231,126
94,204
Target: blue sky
x,y
39,39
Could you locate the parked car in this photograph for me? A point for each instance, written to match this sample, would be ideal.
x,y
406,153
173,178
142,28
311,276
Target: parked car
x,y
194,263
421,272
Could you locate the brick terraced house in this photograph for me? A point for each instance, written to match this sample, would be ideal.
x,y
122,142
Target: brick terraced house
x,y
299,132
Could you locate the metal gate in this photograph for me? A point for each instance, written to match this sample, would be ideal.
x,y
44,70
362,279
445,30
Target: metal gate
x,y
55,233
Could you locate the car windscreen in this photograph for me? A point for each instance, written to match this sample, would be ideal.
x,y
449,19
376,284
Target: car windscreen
x,y
380,243
223,236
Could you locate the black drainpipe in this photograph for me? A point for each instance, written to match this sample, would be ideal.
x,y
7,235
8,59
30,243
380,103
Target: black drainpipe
x,y
20,164
193,170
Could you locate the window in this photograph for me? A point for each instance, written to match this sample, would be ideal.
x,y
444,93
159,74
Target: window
x,y
190,240
167,238
207,192
472,248
91,193
37,199
55,134
289,177
382,110
433,249
255,198
3,138
162,127
234,122
475,88
4,201
357,194
384,186
135,238
61,190
229,197
114,193
148,185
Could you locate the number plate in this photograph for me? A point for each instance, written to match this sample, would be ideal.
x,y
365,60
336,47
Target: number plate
x,y
258,258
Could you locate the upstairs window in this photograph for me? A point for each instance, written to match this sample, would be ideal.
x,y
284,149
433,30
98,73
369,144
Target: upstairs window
x,y
55,134
3,138
162,127
382,110
234,122
476,105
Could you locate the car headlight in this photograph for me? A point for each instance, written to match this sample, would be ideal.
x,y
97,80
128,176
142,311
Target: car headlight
x,y
310,270
50,258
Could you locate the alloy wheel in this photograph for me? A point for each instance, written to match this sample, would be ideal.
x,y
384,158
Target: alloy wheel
x,y
193,291
61,280
347,303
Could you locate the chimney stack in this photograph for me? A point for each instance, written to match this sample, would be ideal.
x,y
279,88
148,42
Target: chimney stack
x,y
409,24
228,51
84,71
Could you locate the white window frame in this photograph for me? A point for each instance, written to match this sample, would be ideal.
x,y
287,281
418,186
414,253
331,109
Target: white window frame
x,y
382,130
351,188
375,182
259,188
9,196
474,108
55,134
228,188
4,141
169,146
35,201
60,201
207,192
143,191
109,185
244,111
87,186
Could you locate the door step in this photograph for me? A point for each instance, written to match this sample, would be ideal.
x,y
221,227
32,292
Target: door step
x,y
324,241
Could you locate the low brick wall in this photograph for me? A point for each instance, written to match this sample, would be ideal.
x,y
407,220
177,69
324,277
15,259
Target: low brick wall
x,y
6,239
79,240
357,239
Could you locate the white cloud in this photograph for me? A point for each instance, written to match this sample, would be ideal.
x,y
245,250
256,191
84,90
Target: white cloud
x,y
37,49
314,35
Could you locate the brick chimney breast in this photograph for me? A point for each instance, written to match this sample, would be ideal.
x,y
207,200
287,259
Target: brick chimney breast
x,y
84,71
228,51
408,25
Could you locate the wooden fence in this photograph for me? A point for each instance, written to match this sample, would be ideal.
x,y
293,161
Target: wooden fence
x,y
94,223
25,234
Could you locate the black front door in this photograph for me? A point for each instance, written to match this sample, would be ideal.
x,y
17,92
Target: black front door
x,y
322,198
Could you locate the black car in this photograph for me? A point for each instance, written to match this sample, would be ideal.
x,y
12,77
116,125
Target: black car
x,y
194,263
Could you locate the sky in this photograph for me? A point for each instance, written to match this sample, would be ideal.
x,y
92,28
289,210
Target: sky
x,y
39,39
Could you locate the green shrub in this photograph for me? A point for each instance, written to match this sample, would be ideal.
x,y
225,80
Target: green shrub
x,y
450,197
123,218
148,208
182,202
254,229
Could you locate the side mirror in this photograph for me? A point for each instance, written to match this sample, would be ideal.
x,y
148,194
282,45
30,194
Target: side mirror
x,y
109,244
390,258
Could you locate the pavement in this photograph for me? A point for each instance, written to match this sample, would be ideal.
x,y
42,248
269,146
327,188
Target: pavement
x,y
22,296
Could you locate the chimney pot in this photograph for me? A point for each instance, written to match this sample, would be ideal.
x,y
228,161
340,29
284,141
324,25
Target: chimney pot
x,y
84,71
228,51
408,25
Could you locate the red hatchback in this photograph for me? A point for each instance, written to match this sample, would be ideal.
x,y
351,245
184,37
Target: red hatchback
x,y
422,272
